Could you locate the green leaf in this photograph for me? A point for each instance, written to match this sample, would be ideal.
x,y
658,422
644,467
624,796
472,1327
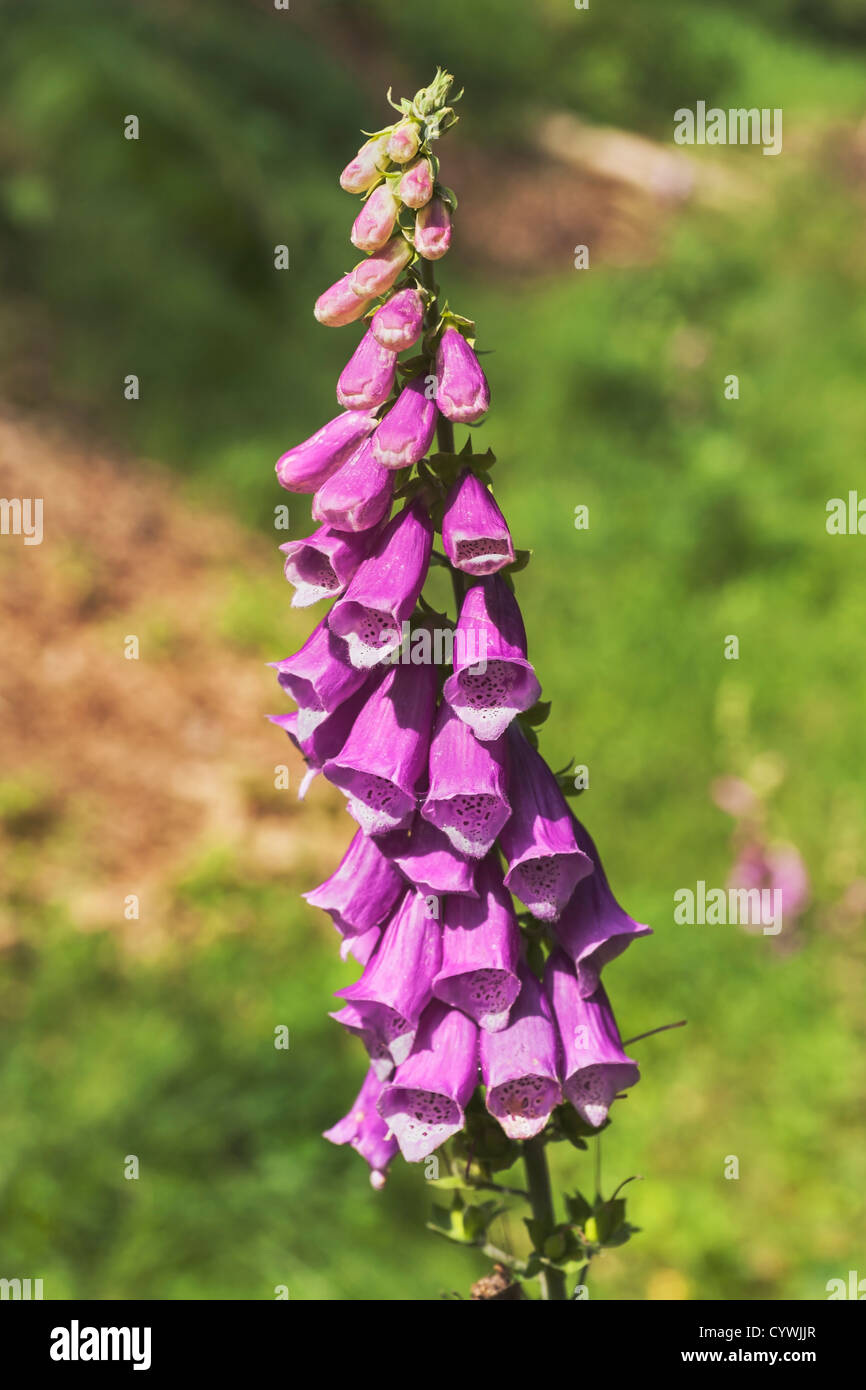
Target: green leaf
x,y
578,1209
537,715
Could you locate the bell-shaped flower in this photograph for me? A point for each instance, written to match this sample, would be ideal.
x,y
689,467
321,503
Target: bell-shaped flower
x,y
366,1131
406,432
398,324
475,534
322,565
404,141
429,861
361,948
593,929
362,891
377,274
367,379
374,224
480,951
327,736
383,760
545,862
367,166
319,677
305,468
593,1065
383,593
462,393
384,1006
425,1101
467,797
341,303
519,1063
416,186
433,230
357,496
492,680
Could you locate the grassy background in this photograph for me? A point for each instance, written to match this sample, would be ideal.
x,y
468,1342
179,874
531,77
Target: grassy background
x,y
706,519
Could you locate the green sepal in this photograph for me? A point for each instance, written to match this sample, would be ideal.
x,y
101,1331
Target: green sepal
x,y
537,715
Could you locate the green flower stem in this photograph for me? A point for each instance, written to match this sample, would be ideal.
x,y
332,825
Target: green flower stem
x,y
553,1284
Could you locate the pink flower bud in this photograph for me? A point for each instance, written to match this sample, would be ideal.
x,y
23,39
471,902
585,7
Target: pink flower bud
x,y
462,392
404,142
367,379
398,324
377,275
366,168
375,222
341,304
433,230
416,186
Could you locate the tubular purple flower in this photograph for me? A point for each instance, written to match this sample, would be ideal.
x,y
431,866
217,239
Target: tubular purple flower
x,y
305,468
433,230
519,1063
367,166
366,1131
362,891
492,680
374,224
398,324
475,535
322,565
385,589
382,762
358,496
425,1102
397,984
361,948
593,1064
480,951
319,677
377,274
341,303
367,379
544,859
327,736
429,862
404,142
593,929
462,393
416,186
467,797
406,432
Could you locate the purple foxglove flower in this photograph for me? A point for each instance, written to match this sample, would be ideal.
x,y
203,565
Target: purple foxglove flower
x,y
593,929
416,186
466,798
367,379
358,496
433,230
374,224
362,891
406,433
400,321
480,951
593,1065
475,535
384,1006
361,947
341,303
305,468
319,677
366,1131
492,680
519,1063
428,860
544,859
424,1104
327,736
367,166
404,142
384,757
462,393
322,565
377,274
383,593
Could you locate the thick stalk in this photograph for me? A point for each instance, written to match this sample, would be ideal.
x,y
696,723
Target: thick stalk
x,y
553,1284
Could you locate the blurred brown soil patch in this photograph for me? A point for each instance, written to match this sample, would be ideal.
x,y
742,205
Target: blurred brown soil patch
x,y
116,773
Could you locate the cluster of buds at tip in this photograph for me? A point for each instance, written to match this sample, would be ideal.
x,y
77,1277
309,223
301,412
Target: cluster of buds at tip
x,y
471,896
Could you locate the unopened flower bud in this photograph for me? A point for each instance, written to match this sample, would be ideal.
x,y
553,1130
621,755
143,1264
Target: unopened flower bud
x,y
377,275
341,304
462,392
399,322
416,186
375,222
404,141
367,379
433,230
366,168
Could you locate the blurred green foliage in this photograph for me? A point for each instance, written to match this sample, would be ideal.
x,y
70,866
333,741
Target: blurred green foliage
x,y
707,518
